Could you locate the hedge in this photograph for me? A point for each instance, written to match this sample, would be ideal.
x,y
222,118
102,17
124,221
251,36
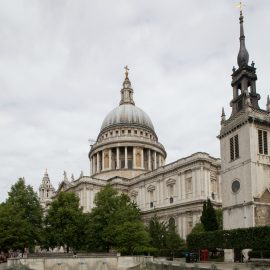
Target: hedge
x,y
257,238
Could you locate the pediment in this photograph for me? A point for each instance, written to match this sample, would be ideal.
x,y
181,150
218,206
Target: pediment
x,y
134,193
170,182
151,188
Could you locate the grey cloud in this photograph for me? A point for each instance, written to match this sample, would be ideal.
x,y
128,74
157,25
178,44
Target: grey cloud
x,y
61,70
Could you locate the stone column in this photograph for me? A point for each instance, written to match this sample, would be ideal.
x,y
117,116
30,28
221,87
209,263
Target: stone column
x,y
117,158
159,158
102,156
110,159
194,183
183,186
98,162
94,165
207,181
126,160
198,182
91,199
149,159
155,159
184,227
142,158
202,182
91,166
178,187
134,157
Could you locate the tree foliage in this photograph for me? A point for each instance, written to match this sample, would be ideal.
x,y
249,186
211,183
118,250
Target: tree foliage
x,y
65,222
158,232
198,228
115,223
20,218
163,236
209,218
219,218
257,238
173,240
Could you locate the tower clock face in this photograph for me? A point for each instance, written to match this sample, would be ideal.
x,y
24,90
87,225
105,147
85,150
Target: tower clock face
x,y
235,186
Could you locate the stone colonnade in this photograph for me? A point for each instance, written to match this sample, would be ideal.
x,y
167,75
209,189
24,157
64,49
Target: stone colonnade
x,y
125,157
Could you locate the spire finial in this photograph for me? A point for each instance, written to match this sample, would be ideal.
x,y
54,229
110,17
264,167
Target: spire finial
x,y
127,91
240,5
126,71
243,56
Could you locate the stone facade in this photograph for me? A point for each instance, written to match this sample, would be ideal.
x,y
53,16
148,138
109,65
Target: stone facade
x,y
46,191
128,155
244,144
174,192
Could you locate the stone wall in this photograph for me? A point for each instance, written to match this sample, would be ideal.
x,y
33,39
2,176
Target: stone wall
x,y
80,263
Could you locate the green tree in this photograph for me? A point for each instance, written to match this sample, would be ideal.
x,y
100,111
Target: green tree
x,y
131,237
158,232
20,218
198,228
219,218
65,222
173,240
163,236
209,218
113,223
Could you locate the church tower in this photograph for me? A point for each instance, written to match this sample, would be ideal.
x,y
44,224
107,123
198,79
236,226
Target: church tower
x,y
244,145
46,191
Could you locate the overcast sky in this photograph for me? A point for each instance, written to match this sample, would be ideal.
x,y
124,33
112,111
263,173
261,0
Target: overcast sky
x,y
61,71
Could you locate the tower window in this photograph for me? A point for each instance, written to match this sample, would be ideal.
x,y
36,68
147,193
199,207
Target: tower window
x,y
234,147
262,140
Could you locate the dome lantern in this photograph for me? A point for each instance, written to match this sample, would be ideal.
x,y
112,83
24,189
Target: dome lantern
x,y
127,91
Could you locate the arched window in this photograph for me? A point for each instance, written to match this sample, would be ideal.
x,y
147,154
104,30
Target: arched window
x,y
138,159
106,160
171,222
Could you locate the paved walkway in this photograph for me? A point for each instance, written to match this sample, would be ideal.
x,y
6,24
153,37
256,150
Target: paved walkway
x,y
219,265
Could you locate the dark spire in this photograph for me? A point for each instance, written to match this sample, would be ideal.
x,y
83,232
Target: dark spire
x,y
243,56
127,91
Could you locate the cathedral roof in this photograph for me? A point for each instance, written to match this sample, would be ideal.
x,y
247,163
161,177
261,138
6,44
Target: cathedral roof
x,y
127,113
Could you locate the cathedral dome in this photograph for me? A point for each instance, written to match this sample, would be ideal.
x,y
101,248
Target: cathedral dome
x,y
129,114
127,144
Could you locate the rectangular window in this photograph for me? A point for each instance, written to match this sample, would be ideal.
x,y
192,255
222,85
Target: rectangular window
x,y
188,185
262,141
231,149
234,147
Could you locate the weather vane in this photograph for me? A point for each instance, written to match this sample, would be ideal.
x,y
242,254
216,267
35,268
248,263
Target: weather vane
x,y
240,5
127,69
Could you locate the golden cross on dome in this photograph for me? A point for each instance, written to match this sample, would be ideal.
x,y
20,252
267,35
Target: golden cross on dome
x,y
240,5
126,72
